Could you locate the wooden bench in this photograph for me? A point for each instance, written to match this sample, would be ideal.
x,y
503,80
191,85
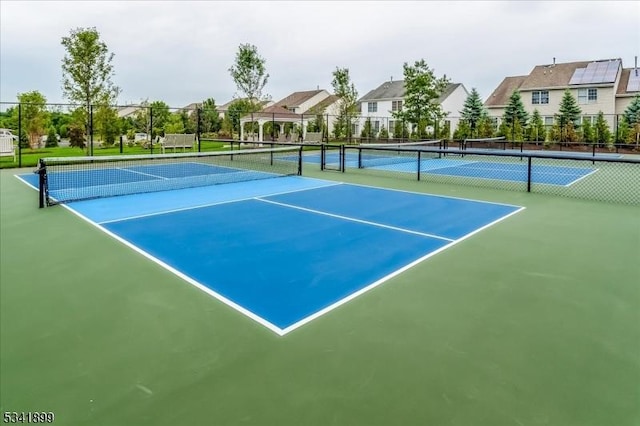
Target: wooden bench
x,y
7,147
313,137
175,141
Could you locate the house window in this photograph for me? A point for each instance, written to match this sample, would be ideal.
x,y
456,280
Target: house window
x,y
591,119
540,97
587,96
548,121
373,106
396,105
376,127
355,129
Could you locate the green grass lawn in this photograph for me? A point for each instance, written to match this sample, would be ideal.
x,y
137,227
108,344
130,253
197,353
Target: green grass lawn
x,y
30,156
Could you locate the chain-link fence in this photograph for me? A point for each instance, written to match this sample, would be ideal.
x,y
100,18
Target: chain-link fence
x,y
30,131
603,177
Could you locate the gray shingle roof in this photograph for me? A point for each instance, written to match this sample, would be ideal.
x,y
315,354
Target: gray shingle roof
x,y
500,96
395,90
297,98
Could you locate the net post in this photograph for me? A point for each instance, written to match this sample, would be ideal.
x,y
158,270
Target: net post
x,y
42,183
419,165
529,174
359,157
300,161
323,154
20,134
343,155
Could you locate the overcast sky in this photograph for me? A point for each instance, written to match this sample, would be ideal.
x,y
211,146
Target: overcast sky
x,y
180,52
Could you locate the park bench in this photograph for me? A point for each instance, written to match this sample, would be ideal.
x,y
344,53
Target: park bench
x,y
7,147
173,140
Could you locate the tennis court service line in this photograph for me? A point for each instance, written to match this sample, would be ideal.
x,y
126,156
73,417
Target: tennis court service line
x,y
201,206
580,178
352,219
141,173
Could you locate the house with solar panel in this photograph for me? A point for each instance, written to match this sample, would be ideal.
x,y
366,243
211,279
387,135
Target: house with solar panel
x,y
379,104
600,85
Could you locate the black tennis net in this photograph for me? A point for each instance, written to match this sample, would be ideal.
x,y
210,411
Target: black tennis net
x,y
66,179
387,154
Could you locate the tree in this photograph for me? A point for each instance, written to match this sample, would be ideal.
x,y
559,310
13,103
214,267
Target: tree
x,y
537,131
160,115
236,110
173,124
632,112
35,117
106,123
515,117
462,131
209,117
347,94
601,130
87,69
52,138
587,131
250,75
623,131
486,125
472,110
569,112
422,90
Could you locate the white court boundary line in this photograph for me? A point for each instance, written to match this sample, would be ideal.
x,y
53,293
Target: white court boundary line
x,y
283,331
352,219
216,203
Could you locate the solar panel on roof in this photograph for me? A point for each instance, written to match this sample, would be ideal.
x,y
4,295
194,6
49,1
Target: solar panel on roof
x,y
596,72
577,76
634,81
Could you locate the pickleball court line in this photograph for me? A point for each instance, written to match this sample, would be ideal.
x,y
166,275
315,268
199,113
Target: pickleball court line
x,y
200,206
353,219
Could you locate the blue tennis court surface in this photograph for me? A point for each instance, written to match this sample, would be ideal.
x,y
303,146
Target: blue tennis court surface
x,y
285,251
459,167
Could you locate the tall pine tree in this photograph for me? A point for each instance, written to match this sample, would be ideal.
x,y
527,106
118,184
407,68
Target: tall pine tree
x,y
537,131
515,117
568,115
632,113
472,110
601,130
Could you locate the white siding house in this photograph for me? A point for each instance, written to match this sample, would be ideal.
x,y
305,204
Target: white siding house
x,y
379,104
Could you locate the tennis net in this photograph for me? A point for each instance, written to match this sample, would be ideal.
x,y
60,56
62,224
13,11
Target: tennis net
x,y
499,142
387,154
79,178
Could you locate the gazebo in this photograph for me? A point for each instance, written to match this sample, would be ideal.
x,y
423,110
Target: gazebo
x,y
278,116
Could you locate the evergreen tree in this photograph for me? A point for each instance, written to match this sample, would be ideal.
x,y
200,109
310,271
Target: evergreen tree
x,y
462,131
632,113
52,138
472,110
602,132
515,117
569,112
587,131
623,131
537,131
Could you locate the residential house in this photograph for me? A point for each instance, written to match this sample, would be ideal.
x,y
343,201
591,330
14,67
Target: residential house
x,y
224,108
128,111
299,108
601,85
380,104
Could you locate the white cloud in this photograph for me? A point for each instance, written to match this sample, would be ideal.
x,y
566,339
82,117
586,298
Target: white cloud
x,y
180,52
